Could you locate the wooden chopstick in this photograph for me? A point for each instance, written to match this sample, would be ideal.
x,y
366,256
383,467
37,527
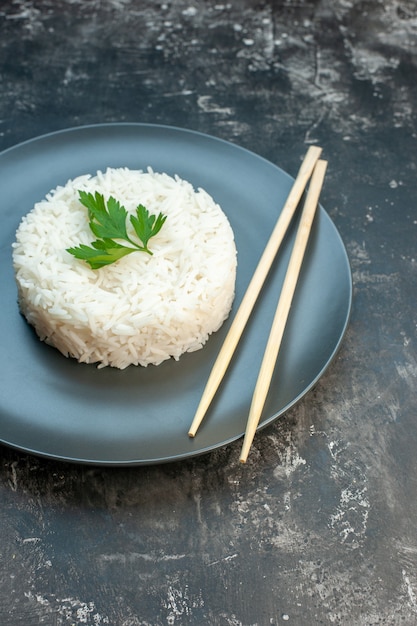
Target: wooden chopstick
x,y
283,308
255,285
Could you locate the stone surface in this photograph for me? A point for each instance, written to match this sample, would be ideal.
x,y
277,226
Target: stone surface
x,y
320,526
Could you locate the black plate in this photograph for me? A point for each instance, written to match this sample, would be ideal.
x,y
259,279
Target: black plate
x,y
55,407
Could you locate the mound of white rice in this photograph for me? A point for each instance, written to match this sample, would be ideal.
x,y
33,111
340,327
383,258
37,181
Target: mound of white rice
x,y
142,309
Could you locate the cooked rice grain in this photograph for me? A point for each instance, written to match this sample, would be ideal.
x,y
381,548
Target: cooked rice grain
x,y
142,309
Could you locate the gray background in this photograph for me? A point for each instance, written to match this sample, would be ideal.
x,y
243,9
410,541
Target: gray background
x,y
320,526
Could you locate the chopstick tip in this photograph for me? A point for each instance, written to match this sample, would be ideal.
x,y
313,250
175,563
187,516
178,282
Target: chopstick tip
x,y
316,150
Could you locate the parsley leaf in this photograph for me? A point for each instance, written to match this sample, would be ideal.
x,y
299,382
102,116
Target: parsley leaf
x,y
145,225
107,222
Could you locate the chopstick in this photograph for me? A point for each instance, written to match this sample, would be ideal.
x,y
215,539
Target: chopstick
x,y
242,315
284,304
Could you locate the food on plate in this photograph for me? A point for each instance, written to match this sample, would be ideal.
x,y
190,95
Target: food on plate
x,y
136,309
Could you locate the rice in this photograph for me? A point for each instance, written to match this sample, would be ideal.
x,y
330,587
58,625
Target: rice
x,y
142,309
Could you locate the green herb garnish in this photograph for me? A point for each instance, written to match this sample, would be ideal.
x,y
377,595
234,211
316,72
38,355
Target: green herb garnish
x,y
108,224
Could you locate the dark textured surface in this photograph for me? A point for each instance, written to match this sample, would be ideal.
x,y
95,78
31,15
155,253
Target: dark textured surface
x,y
320,526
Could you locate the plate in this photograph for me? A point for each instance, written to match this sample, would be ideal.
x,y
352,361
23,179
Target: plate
x,y
55,407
